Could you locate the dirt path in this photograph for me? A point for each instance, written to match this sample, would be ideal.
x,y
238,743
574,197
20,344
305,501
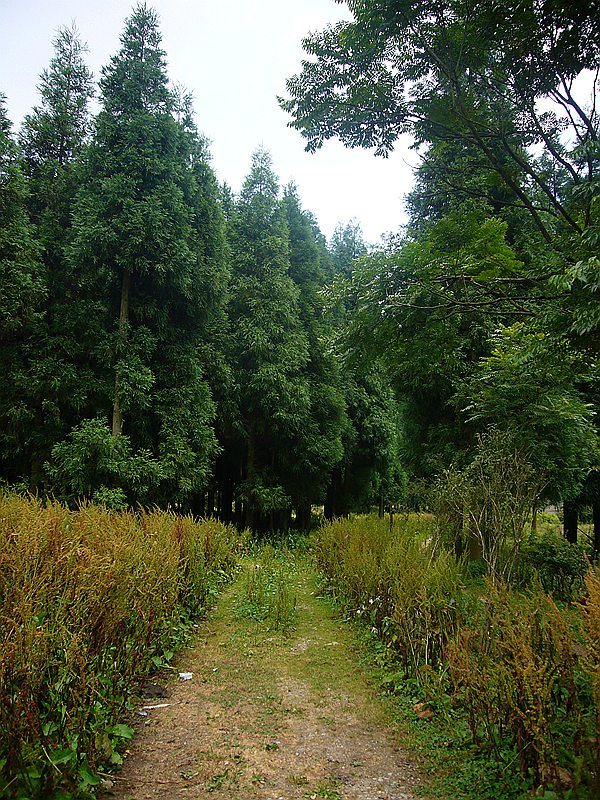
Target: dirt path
x,y
267,715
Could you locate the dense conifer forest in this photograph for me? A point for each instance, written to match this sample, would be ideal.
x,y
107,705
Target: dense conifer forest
x,y
164,341
168,342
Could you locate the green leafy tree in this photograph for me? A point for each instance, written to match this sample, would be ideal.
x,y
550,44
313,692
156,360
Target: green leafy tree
x,y
269,344
144,259
92,463
501,88
347,244
497,104
525,387
22,293
369,472
421,307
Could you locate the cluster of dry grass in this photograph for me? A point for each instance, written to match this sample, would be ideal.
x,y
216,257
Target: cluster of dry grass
x,y
89,602
522,671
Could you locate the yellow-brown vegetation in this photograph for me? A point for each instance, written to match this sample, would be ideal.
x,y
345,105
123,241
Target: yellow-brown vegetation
x,y
90,600
523,672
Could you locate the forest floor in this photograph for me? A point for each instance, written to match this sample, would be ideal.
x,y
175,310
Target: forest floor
x,y
269,714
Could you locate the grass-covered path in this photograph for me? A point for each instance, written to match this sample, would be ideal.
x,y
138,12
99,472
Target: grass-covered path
x,y
269,713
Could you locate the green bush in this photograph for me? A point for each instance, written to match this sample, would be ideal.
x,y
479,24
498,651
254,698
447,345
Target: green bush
x,y
561,565
488,503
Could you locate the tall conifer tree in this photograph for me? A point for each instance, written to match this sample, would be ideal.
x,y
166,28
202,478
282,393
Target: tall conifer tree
x,y
317,449
21,298
138,244
52,139
270,346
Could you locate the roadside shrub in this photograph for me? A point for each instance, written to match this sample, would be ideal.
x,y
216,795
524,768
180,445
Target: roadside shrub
x,y
516,678
590,608
521,672
561,565
407,589
90,600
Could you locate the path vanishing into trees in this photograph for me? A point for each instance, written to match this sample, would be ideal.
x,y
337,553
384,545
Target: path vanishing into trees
x,y
269,714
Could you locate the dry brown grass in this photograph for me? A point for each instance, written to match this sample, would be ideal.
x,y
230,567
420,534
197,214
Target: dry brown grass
x,y
524,672
89,601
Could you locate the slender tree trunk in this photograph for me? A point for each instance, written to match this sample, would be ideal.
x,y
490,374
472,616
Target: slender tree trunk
x,y
475,545
197,507
250,472
534,518
343,509
457,535
303,518
239,505
570,520
381,505
210,507
596,520
117,422
37,461
227,501
329,506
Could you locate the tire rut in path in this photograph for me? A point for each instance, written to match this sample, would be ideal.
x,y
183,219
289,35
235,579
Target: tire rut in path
x,y
269,716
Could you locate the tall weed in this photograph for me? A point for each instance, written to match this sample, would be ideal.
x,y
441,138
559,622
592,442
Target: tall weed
x,y
267,597
522,671
89,601
516,678
591,664
411,593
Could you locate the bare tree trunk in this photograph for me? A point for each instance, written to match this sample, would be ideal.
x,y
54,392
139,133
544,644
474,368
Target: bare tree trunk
x,y
198,505
457,535
596,520
210,503
117,421
570,520
250,472
330,498
475,544
227,502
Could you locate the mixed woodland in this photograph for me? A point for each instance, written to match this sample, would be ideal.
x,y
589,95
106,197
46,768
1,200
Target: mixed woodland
x,y
167,342
181,364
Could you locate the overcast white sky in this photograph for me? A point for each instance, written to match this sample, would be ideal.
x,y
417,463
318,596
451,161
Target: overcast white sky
x,y
234,55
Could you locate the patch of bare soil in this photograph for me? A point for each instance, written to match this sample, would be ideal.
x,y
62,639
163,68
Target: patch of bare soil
x,y
268,716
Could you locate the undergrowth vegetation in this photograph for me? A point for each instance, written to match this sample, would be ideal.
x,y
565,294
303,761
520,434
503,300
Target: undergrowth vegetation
x,y
267,597
516,673
90,601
